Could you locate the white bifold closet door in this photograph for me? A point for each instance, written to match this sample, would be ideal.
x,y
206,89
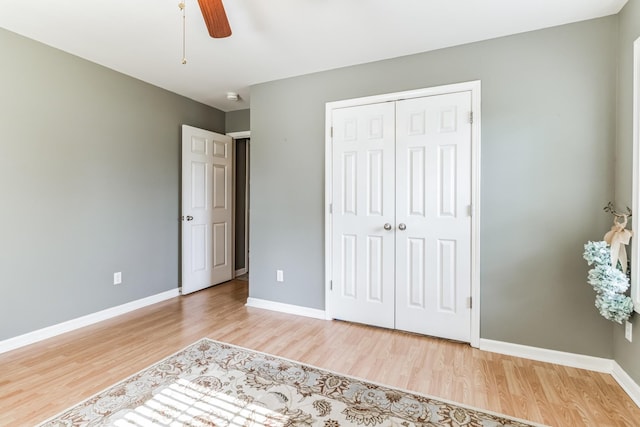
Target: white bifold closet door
x,y
401,230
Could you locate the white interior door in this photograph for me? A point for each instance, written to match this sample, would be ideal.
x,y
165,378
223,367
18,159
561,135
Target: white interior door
x,y
363,202
207,227
433,237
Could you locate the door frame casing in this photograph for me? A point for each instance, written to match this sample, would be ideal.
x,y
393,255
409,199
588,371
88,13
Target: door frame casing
x,y
475,88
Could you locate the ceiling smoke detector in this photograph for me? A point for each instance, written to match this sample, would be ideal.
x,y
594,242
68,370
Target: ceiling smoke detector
x,y
232,96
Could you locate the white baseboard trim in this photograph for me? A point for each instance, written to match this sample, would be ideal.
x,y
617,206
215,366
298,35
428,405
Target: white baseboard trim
x,y
80,322
286,308
241,271
626,382
572,360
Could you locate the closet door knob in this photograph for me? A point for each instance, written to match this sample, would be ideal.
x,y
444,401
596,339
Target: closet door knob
x,y
402,226
189,218
387,226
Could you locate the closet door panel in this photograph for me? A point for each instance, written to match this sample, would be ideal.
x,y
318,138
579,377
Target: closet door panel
x,y
433,193
363,177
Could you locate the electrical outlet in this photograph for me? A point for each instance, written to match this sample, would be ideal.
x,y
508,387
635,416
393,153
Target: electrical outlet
x,y
279,276
628,331
117,278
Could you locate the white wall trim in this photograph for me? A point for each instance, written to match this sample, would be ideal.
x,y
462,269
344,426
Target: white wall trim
x,y
286,308
241,271
81,322
395,96
626,382
572,360
476,142
240,135
635,199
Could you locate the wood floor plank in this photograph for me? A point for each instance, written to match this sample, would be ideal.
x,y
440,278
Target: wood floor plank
x,y
43,379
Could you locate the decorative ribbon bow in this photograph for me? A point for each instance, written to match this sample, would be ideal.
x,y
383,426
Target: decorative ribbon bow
x,y
617,237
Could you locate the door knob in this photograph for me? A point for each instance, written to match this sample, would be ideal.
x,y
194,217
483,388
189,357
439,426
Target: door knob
x,y
387,226
402,226
189,218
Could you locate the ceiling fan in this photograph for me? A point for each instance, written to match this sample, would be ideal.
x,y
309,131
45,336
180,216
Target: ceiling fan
x,y
215,18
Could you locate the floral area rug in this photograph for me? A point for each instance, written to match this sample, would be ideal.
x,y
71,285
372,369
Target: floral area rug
x,y
214,384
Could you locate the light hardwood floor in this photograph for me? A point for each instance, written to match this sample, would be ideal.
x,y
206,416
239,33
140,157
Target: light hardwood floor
x,y
41,380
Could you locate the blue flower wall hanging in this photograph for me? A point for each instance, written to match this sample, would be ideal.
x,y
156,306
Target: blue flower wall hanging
x,y
609,276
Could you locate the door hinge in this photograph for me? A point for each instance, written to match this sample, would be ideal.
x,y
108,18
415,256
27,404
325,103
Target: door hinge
x,y
330,208
330,285
470,302
331,132
471,210
471,117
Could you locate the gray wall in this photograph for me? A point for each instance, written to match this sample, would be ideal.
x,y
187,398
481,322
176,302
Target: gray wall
x,y
548,135
626,353
89,176
237,121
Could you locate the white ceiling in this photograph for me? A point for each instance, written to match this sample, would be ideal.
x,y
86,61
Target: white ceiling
x,y
272,39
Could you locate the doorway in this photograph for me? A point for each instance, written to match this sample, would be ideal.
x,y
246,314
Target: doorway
x,y
241,206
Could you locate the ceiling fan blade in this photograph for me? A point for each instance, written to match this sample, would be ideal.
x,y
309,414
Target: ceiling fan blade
x,y
215,18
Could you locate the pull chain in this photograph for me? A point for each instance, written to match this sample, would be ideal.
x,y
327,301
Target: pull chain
x,y
181,5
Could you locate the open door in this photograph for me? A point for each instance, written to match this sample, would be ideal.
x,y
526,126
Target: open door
x,y
207,209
